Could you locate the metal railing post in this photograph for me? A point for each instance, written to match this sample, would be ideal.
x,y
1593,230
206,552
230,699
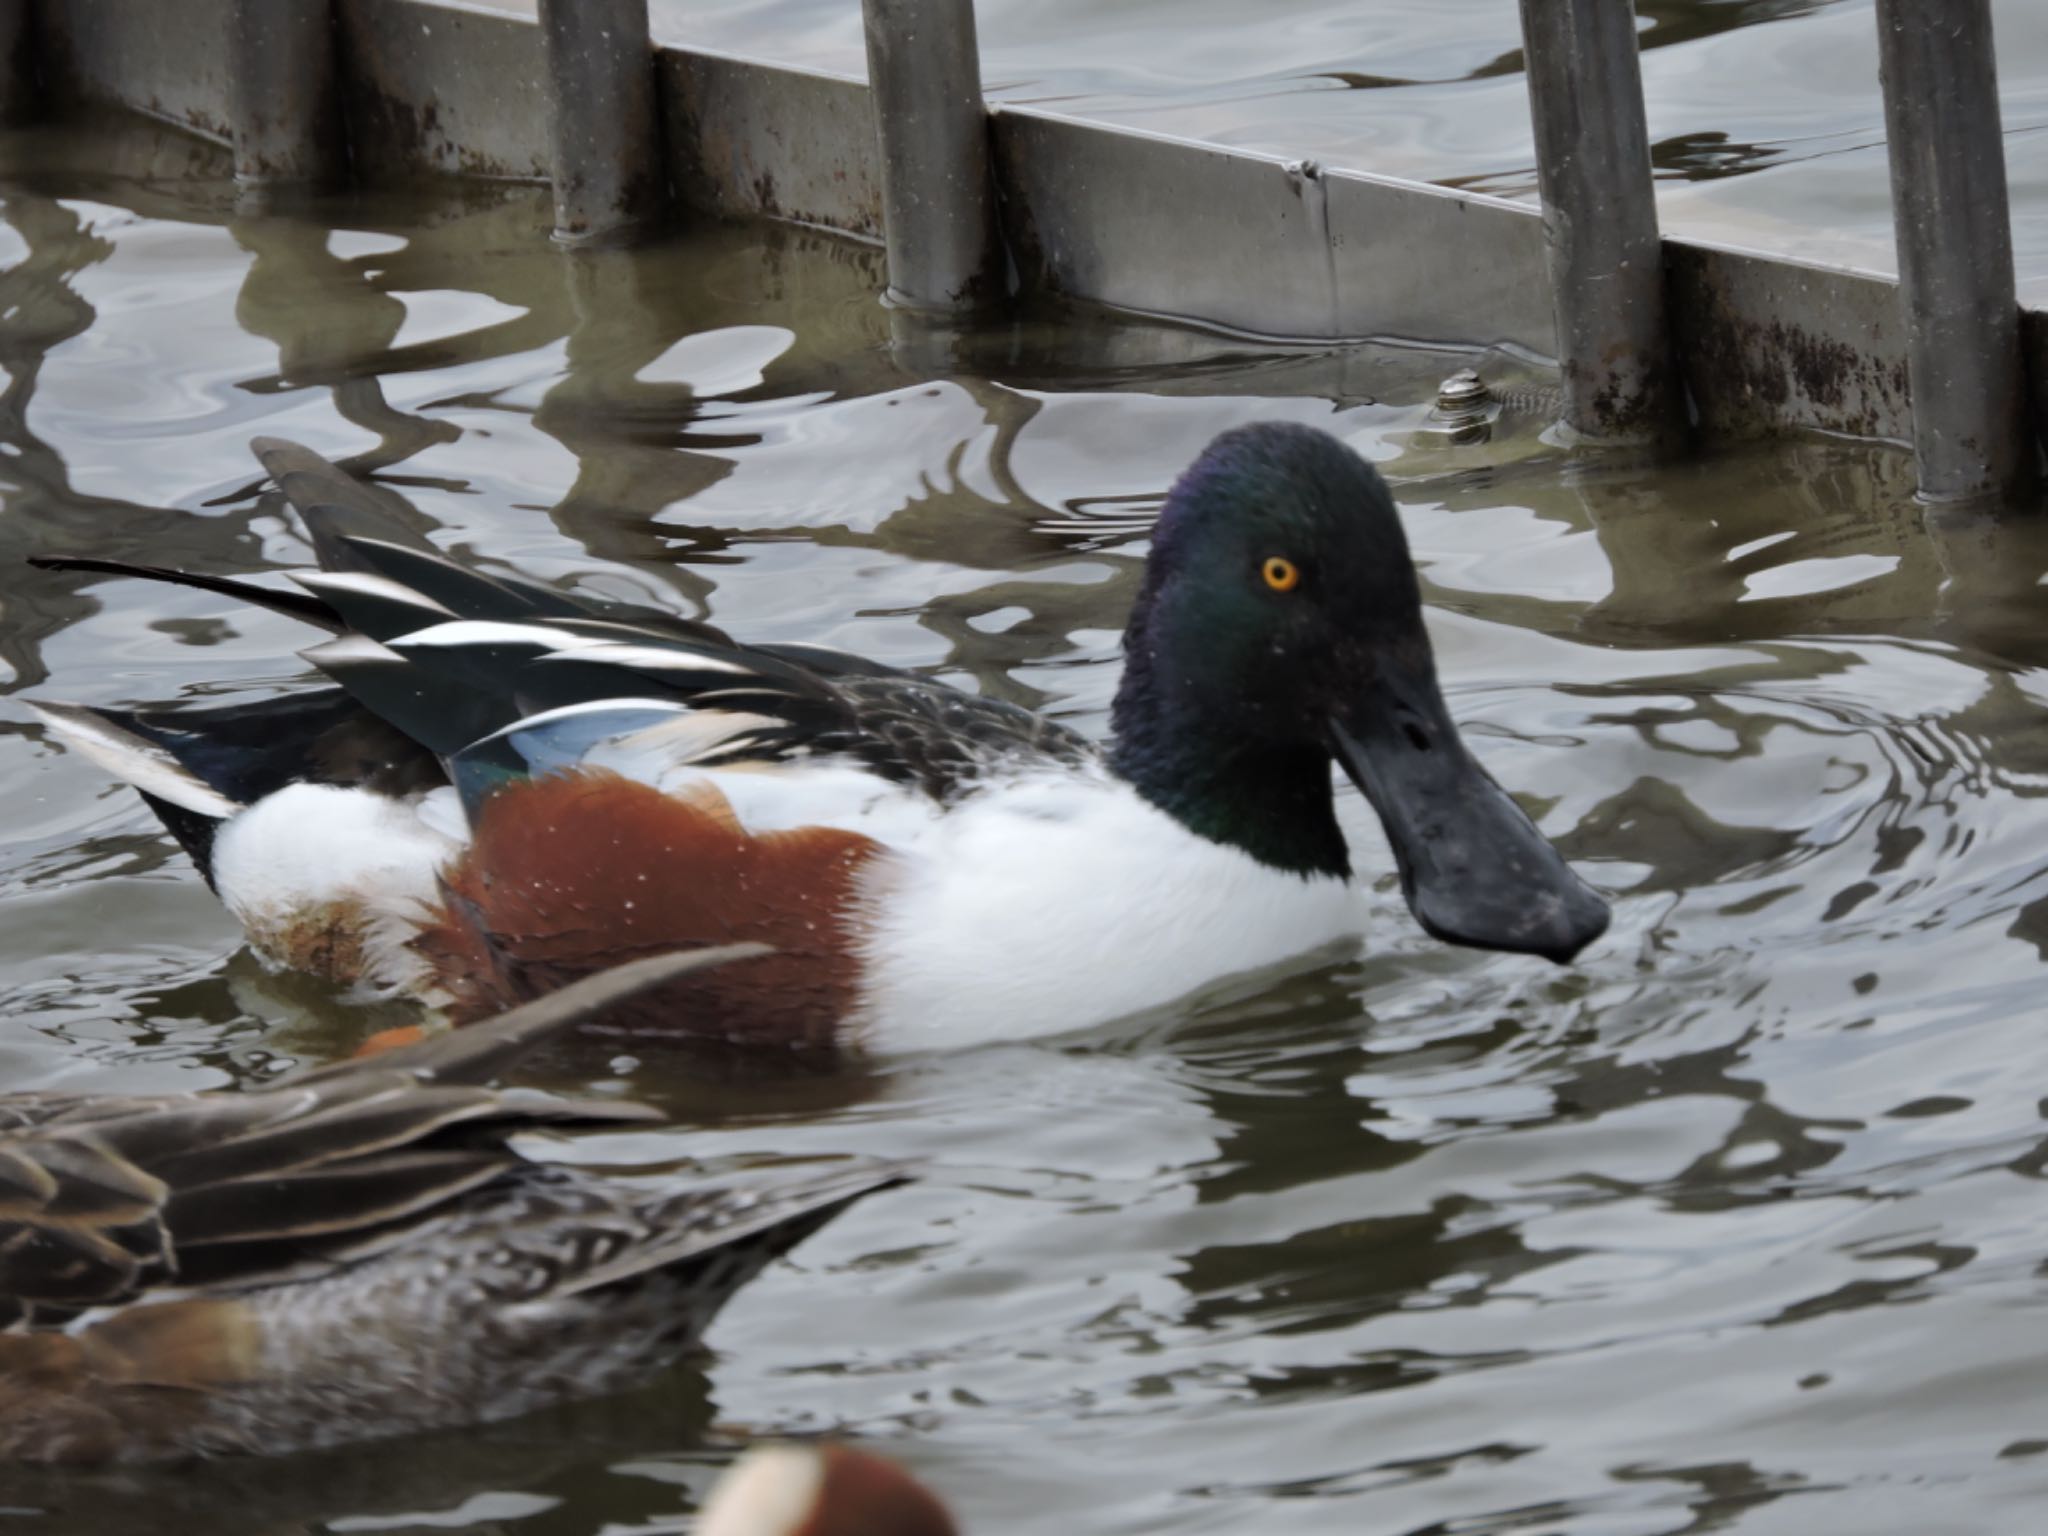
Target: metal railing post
x,y
938,197
604,131
1954,231
1600,234
17,63
284,108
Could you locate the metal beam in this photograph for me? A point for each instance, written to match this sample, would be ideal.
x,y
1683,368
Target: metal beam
x,y
440,87
1600,218
606,139
938,201
753,140
1954,232
168,63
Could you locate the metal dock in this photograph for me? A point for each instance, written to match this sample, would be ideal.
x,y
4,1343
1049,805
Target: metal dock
x,y
1659,341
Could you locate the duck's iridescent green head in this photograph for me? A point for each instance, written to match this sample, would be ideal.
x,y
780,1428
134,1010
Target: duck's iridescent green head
x,y
1280,628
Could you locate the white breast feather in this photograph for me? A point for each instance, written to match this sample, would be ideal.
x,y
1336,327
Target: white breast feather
x,y
1068,901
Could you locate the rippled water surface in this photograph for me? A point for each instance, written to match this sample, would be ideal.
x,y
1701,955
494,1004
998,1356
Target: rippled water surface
x,y
1736,1225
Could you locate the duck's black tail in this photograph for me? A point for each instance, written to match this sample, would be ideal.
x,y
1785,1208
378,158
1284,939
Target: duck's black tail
x,y
302,606
197,767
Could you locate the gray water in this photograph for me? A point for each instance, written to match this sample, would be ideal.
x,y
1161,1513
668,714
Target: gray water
x,y
1736,1225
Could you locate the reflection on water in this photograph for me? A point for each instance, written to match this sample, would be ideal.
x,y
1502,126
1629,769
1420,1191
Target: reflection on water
x,y
1736,1225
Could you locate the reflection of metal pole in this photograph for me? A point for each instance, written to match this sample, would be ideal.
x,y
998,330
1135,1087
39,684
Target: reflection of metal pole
x,y
1599,217
329,323
1992,568
283,109
1954,234
938,202
606,138
622,429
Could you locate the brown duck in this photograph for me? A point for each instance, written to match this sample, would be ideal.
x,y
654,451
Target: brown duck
x,y
354,1252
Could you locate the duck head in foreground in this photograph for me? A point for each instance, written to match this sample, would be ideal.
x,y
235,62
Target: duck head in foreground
x,y
510,785
1279,629
821,1490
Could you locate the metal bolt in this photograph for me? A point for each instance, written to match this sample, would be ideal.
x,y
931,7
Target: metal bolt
x,y
1463,393
1464,408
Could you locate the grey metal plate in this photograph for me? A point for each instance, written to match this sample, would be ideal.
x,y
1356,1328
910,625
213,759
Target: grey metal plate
x,y
754,139
436,87
168,61
1766,344
1426,263
1164,226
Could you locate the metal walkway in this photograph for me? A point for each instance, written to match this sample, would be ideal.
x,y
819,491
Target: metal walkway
x,y
1657,339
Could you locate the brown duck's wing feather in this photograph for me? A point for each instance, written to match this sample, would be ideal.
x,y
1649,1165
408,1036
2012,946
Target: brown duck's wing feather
x,y
760,1221
26,1111
480,1052
108,1209
104,1199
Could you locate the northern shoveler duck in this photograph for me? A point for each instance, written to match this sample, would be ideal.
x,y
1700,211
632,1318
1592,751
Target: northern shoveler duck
x,y
829,1490
354,1252
512,786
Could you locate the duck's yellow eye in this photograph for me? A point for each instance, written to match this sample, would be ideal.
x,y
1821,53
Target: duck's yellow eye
x,y
1281,575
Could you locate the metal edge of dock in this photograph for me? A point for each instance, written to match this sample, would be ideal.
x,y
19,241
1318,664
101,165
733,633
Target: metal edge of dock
x,y
1144,222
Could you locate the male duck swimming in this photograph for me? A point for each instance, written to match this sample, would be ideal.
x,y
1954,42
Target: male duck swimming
x,y
357,1251
510,786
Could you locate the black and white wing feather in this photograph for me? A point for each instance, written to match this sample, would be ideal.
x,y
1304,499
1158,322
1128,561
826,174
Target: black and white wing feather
x,y
484,674
451,655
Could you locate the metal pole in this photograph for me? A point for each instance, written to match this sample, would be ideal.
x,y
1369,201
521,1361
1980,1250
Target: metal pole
x,y
1954,233
606,136
283,105
938,198
1600,218
17,63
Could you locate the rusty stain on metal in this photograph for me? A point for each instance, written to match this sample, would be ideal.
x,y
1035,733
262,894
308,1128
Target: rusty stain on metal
x,y
606,156
1762,356
195,119
753,140
426,87
284,107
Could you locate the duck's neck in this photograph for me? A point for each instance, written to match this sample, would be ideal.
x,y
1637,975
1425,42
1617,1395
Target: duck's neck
x,y
1272,802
